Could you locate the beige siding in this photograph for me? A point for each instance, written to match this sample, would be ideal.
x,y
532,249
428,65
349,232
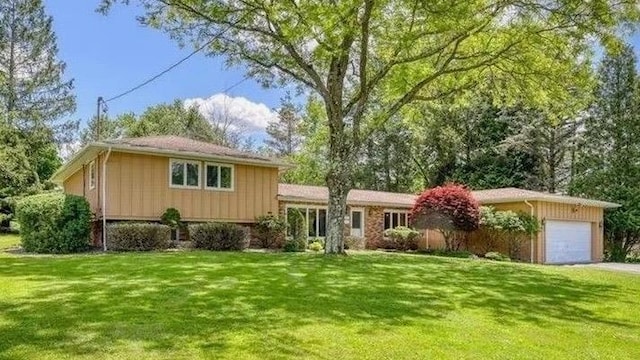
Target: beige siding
x,y
544,211
138,188
78,184
569,212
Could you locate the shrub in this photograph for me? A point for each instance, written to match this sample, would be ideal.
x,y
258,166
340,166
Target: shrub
x,y
496,256
138,236
354,243
295,245
449,209
218,236
297,226
316,246
507,227
270,231
403,238
172,218
54,223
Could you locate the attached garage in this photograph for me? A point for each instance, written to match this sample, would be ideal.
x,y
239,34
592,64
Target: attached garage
x,y
572,227
568,242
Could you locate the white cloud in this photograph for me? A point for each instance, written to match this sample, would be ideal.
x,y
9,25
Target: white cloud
x,y
236,112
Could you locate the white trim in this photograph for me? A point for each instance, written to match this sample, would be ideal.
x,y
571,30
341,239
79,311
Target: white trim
x,y
92,175
308,207
184,182
362,221
219,165
396,211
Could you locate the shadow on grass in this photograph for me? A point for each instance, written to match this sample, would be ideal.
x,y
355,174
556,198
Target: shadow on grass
x,y
85,304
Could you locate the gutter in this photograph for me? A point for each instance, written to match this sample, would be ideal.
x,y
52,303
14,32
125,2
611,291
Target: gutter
x,y
531,236
104,200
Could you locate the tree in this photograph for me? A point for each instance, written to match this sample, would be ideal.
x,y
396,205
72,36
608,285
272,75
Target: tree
x,y
368,59
110,128
607,166
33,94
284,134
450,209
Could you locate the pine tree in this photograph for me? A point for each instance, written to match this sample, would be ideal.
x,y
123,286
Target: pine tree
x,y
284,133
608,167
33,93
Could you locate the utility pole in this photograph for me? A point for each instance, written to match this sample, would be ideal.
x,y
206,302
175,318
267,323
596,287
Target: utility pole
x,y
98,108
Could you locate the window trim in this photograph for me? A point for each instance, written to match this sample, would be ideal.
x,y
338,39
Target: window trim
x,y
220,165
317,208
396,211
92,175
184,185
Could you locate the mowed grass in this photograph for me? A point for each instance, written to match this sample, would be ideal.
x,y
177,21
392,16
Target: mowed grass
x,y
189,305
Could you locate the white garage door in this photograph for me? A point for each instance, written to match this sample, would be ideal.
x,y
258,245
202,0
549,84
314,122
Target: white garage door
x,y
568,242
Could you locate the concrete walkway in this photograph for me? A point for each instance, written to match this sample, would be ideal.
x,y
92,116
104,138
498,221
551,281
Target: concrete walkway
x,y
630,268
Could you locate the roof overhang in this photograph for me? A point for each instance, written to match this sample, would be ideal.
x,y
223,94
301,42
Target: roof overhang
x,y
300,199
559,200
90,151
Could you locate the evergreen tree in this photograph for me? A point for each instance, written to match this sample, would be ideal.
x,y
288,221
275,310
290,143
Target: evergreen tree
x,y
284,134
33,94
607,166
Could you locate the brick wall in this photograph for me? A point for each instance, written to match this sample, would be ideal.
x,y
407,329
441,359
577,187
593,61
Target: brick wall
x,y
374,226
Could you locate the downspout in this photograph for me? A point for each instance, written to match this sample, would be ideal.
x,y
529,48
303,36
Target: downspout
x,y
531,236
104,200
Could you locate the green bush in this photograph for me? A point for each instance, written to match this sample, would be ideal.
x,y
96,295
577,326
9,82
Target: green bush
x,y
402,238
54,223
295,245
298,228
218,236
496,256
138,236
270,231
316,246
354,243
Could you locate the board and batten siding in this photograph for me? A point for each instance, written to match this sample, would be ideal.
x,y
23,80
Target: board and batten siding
x,y
543,211
138,189
78,184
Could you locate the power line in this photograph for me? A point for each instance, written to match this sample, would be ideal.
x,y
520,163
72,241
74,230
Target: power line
x,y
160,74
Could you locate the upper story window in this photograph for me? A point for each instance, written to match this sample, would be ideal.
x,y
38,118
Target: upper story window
x,y
92,175
219,176
184,173
394,218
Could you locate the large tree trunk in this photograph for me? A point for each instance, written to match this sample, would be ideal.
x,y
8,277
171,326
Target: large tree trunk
x,y
339,182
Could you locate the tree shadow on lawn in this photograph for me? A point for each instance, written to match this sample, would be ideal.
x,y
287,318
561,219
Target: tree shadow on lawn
x,y
163,301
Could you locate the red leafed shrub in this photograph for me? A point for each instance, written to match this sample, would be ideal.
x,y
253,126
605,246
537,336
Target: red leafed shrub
x,y
451,209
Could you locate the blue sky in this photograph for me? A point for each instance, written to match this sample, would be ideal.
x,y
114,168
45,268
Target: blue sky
x,y
107,55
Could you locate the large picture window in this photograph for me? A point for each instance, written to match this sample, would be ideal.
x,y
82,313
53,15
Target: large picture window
x,y
393,219
185,174
219,176
314,218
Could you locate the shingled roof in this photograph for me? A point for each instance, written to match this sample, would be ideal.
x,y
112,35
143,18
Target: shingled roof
x,y
320,194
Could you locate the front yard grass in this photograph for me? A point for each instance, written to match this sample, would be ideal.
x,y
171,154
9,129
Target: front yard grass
x,y
184,305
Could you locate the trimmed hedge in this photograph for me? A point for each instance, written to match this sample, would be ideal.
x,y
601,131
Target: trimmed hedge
x,y
218,237
295,245
138,236
54,223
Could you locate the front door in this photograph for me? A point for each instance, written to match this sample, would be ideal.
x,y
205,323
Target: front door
x,y
357,222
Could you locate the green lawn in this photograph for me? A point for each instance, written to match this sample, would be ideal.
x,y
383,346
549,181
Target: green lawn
x,y
184,305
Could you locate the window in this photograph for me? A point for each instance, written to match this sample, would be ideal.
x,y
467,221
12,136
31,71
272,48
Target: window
x,y
393,219
219,177
357,220
315,219
185,174
92,175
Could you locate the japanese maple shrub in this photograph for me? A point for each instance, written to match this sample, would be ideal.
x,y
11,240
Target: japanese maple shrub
x,y
450,209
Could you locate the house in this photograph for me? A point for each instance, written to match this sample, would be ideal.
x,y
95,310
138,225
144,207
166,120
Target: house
x,y
139,178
